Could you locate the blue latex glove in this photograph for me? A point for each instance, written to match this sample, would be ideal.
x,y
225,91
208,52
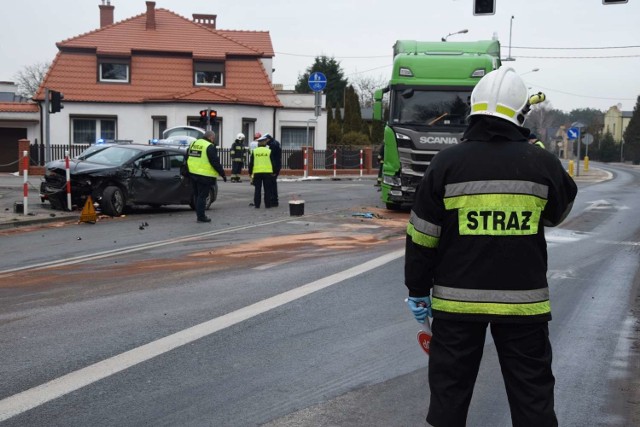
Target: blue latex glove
x,y
420,307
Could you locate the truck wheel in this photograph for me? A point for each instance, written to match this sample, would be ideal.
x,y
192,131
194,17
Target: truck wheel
x,y
113,201
394,206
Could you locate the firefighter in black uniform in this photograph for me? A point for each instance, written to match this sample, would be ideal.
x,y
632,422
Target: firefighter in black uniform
x,y
237,153
476,256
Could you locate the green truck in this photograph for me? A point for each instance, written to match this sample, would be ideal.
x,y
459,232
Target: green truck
x,y
429,93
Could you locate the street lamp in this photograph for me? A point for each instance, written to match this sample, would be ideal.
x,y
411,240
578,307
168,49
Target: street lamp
x,y
444,39
509,58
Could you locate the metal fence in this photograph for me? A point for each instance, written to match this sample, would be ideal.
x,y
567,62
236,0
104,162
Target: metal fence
x,y
345,158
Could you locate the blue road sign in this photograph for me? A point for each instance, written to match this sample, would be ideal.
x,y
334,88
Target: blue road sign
x,y
317,81
573,133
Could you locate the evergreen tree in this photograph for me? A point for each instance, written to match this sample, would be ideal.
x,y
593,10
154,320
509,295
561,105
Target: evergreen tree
x,y
632,136
336,81
338,119
365,130
609,151
352,113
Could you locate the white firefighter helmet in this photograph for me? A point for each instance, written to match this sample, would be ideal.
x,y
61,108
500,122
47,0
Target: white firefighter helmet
x,y
240,137
501,93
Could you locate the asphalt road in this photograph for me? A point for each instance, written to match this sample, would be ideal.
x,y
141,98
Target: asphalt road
x,y
265,319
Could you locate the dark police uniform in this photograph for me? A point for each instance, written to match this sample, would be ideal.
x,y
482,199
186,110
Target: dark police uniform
x,y
475,239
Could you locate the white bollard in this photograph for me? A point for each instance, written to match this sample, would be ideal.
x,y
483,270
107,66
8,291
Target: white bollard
x,y
67,167
25,186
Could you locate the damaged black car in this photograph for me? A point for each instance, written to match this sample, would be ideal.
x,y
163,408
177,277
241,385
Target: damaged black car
x,y
122,176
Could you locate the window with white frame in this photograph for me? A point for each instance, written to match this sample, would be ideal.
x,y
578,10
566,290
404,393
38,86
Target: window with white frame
x,y
297,137
208,74
88,130
113,70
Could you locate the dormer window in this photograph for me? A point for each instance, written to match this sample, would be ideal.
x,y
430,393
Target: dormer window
x,y
113,70
208,74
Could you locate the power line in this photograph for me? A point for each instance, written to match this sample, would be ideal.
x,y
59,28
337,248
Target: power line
x,y
572,48
584,96
576,57
336,57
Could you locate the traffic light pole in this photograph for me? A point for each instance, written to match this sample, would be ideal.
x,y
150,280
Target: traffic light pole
x,y
47,128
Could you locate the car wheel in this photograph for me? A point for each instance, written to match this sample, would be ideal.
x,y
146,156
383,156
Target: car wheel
x,y
113,201
213,195
210,198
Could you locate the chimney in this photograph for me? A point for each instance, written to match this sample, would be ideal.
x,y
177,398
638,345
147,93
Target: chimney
x,y
106,13
206,20
151,15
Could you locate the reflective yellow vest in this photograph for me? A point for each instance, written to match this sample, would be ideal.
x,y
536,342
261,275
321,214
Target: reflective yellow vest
x,y
262,160
198,162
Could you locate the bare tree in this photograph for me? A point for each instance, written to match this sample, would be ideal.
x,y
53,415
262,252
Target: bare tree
x,y
365,86
30,78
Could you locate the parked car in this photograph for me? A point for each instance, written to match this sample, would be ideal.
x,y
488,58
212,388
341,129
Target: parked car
x,y
179,135
121,176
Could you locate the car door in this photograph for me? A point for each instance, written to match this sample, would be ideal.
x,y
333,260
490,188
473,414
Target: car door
x,y
155,181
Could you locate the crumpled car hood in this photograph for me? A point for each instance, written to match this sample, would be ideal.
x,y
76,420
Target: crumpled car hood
x,y
79,166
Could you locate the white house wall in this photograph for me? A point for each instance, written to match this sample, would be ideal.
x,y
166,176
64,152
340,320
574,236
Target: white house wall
x,y
135,121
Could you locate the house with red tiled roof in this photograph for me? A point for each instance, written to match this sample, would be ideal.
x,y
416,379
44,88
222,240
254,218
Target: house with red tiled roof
x,y
131,79
19,119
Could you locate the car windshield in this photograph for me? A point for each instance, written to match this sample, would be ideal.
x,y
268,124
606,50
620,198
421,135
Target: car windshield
x,y
90,151
431,108
183,131
114,155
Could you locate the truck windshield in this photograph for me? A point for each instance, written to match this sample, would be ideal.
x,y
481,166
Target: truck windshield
x,y
430,108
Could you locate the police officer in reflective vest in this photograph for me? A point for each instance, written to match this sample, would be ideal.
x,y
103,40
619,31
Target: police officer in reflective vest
x,y
261,171
533,139
476,256
204,167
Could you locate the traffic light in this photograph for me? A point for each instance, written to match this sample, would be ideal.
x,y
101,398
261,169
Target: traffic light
x,y
207,117
614,1
56,101
484,7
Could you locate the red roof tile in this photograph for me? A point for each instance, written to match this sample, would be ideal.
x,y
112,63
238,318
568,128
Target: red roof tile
x,y
258,39
173,33
162,63
18,107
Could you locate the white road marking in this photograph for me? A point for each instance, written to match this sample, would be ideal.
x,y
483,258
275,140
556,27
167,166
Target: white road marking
x,y
36,396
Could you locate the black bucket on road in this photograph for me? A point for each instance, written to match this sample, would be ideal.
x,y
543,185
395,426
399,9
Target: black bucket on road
x,y
296,207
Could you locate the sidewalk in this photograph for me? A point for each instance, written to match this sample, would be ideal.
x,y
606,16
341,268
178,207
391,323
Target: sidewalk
x,y
12,192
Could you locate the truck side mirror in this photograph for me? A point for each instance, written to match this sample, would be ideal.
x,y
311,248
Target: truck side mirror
x,y
377,104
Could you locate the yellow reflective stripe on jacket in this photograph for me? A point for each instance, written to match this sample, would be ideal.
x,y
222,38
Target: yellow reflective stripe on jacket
x,y
497,208
529,309
422,239
262,160
529,302
422,232
198,161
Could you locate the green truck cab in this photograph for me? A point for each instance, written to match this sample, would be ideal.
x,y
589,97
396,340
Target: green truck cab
x,y
429,94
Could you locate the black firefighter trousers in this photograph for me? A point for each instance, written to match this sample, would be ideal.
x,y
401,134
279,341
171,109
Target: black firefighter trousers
x,y
524,352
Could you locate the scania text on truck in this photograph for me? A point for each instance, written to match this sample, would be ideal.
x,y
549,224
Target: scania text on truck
x,y
429,93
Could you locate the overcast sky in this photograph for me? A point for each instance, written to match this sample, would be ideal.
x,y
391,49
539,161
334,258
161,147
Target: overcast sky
x,y
360,34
